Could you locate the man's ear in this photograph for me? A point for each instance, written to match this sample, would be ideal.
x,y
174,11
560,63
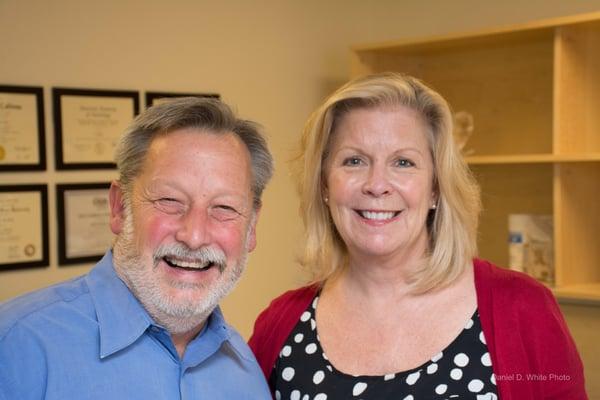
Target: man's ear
x,y
251,243
117,207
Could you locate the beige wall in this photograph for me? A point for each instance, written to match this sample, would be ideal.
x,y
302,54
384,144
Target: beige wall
x,y
273,60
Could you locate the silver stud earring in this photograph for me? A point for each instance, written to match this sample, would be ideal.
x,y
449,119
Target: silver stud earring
x,y
433,206
326,199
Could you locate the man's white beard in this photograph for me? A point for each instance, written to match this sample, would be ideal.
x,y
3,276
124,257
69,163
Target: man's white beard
x,y
176,316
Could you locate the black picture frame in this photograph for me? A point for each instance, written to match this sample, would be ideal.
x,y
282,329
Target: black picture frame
x,y
61,191
57,95
38,92
152,96
45,259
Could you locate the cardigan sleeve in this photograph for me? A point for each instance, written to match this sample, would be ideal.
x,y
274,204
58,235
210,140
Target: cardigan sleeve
x,y
275,323
533,353
560,365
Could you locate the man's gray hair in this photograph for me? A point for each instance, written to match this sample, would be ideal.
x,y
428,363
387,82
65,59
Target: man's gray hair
x,y
207,114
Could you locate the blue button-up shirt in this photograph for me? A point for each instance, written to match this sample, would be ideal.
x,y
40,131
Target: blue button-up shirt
x,y
90,338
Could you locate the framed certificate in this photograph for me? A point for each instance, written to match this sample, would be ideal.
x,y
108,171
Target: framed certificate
x,y
22,133
84,232
88,124
153,98
23,226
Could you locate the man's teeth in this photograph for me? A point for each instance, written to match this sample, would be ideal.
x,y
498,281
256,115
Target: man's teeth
x,y
379,216
188,264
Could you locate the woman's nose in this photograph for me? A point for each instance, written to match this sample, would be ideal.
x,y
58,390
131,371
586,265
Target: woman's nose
x,y
377,182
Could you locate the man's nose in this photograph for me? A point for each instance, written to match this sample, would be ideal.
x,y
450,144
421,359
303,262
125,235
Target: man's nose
x,y
193,230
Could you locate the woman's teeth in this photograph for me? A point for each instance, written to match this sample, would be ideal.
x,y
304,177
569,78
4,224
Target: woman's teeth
x,y
378,216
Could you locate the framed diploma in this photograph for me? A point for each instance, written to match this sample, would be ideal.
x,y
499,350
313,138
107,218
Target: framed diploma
x,y
153,98
23,226
22,133
88,124
84,232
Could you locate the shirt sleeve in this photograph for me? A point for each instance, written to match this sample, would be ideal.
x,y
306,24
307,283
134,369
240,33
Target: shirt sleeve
x,y
23,365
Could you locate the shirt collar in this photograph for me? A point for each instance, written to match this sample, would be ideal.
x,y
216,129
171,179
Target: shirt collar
x,y
121,317
217,335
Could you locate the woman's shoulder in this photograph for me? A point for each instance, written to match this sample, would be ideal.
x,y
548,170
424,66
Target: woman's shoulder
x,y
512,290
299,297
492,277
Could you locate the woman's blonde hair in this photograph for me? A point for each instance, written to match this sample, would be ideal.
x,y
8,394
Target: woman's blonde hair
x,y
452,226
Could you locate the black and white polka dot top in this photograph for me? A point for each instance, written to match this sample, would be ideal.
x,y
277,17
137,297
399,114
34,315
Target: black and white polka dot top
x,y
463,370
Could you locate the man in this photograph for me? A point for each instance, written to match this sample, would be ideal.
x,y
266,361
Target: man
x,y
145,322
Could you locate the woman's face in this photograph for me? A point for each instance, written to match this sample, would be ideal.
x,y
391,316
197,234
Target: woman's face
x,y
379,177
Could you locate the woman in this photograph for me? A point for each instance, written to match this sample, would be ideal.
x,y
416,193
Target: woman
x,y
399,308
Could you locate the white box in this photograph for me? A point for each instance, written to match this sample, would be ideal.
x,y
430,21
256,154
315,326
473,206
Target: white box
x,y
531,247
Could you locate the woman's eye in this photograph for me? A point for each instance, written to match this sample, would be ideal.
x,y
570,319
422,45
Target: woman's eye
x,y
352,161
405,163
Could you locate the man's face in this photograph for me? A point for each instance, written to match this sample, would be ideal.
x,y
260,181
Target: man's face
x,y
184,235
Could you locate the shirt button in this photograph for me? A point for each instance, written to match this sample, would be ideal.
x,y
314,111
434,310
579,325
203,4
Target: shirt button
x,y
155,329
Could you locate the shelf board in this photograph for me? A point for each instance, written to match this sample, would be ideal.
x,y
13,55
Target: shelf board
x,y
532,158
530,30
588,293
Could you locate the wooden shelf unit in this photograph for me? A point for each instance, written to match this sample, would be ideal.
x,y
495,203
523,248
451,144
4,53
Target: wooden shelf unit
x,y
534,93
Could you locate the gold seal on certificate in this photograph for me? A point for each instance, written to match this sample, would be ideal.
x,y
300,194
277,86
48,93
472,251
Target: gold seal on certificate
x,y
29,250
84,217
88,124
23,226
22,144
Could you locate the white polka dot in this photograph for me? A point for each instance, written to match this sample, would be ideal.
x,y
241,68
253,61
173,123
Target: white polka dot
x,y
359,388
318,377
409,397
305,397
461,359
486,360
432,368
286,351
438,356
456,374
295,395
412,378
277,395
329,368
475,386
310,348
441,389
314,303
313,324
298,338
469,324
321,396
325,356
389,377
482,337
493,379
288,373
305,316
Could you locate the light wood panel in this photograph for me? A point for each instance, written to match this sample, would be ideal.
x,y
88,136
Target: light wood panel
x,y
577,86
577,223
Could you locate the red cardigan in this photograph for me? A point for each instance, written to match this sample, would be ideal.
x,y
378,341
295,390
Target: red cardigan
x,y
533,354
